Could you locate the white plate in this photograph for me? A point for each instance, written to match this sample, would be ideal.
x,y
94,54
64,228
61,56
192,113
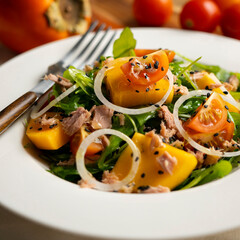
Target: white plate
x,y
28,189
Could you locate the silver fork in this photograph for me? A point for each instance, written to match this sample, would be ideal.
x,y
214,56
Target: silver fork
x,y
17,108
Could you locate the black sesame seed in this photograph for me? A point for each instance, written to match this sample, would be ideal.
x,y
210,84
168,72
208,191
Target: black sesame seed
x,y
130,59
156,153
146,67
228,120
208,95
225,92
51,126
217,148
157,89
162,68
178,90
216,134
156,64
87,130
70,115
207,87
133,64
136,159
196,71
30,127
205,105
137,91
164,140
142,188
131,154
129,80
106,67
142,175
150,65
226,107
160,172
147,89
39,129
204,101
146,76
211,172
59,79
205,156
205,145
145,56
138,63
191,72
156,105
61,120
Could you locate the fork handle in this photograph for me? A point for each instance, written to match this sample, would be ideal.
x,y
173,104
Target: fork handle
x,y
13,111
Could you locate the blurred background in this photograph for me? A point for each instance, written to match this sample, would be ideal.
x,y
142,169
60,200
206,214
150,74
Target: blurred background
x,y
25,24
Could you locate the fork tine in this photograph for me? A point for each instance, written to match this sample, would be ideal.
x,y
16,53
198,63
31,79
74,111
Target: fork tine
x,y
95,48
92,26
106,46
102,26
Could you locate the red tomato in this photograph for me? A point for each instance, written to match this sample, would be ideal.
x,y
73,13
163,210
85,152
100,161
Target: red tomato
x,y
142,52
230,22
214,139
224,4
147,69
152,12
200,15
211,116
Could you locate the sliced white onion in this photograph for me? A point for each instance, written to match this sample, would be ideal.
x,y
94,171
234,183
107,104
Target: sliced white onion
x,y
98,91
88,177
36,114
179,126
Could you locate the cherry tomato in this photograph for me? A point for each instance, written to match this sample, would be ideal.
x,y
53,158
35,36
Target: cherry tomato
x,y
142,52
214,139
230,22
200,15
147,69
76,140
152,12
210,117
224,4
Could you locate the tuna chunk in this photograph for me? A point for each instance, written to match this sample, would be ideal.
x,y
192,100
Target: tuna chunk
x,y
158,189
59,80
102,117
167,162
77,118
167,116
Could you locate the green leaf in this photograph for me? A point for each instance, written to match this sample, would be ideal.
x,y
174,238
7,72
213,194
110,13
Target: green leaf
x,y
236,95
205,175
125,44
235,117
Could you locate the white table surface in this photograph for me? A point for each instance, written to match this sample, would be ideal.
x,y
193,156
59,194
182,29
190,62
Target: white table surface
x,y
15,227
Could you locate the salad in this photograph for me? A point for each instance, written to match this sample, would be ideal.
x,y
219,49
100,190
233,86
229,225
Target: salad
x,y
140,121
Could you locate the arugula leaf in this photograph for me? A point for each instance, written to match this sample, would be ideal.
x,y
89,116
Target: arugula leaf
x,y
124,46
205,175
235,117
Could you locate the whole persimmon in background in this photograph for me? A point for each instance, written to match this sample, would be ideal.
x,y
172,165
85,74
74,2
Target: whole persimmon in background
x,y
25,24
200,15
152,12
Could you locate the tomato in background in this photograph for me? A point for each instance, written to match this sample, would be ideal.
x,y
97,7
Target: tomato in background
x,y
200,15
224,4
230,22
152,12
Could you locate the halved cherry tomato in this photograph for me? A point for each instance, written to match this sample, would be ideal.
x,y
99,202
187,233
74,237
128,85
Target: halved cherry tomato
x,y
147,69
210,117
78,137
142,52
214,139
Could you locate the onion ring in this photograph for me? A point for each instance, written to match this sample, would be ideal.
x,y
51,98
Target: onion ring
x,y
131,111
87,176
182,131
36,114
